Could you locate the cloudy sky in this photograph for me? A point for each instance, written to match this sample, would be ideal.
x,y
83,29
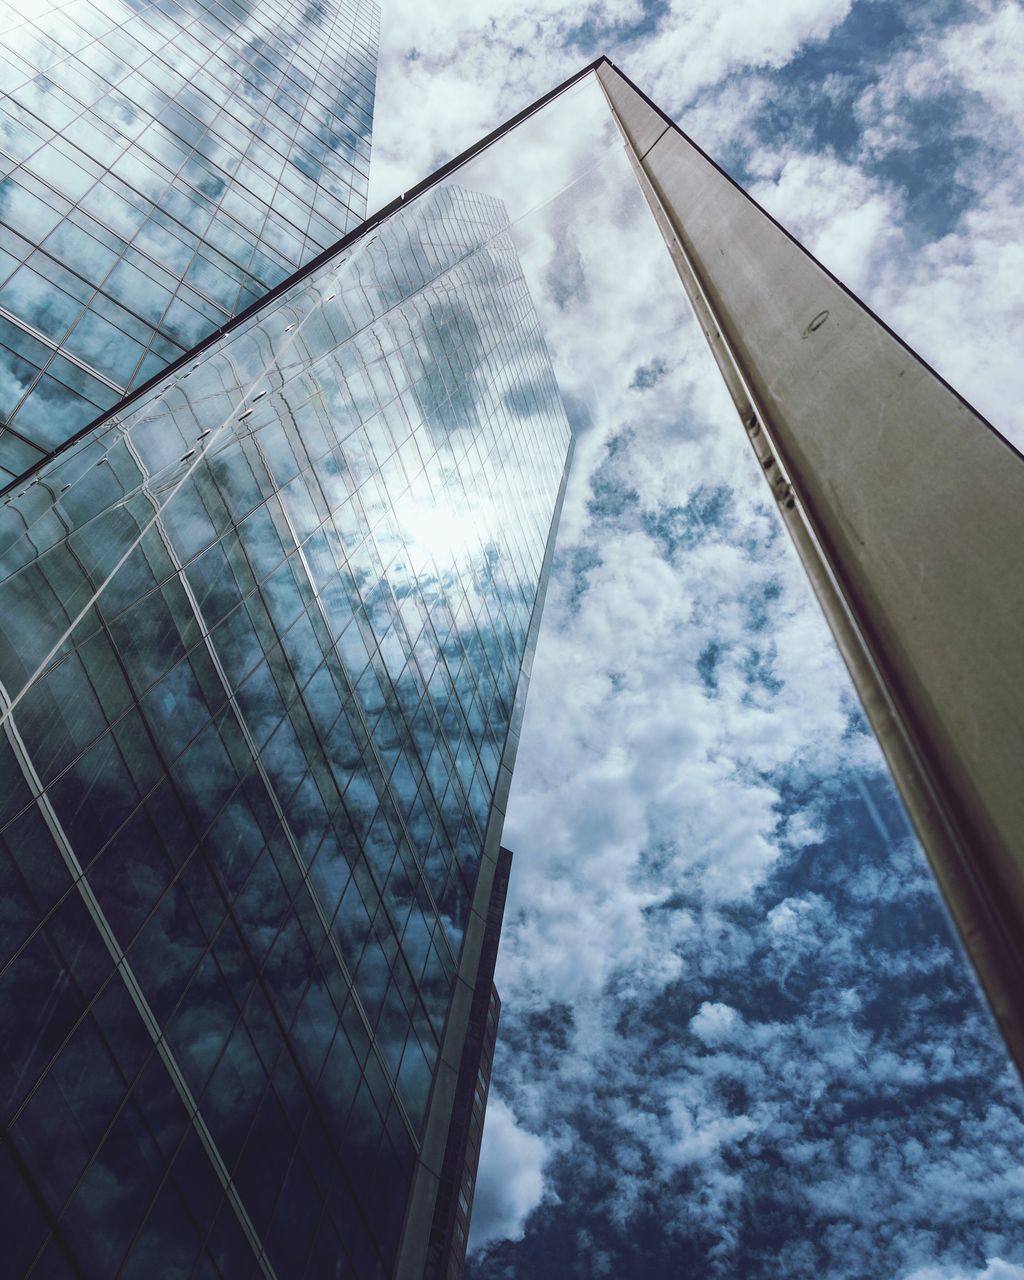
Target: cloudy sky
x,y
738,1038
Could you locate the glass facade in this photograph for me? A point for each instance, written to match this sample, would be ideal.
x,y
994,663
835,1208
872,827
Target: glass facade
x,y
449,1232
164,165
261,638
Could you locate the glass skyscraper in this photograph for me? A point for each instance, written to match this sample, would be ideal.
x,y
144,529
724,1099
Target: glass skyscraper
x,y
263,644
164,165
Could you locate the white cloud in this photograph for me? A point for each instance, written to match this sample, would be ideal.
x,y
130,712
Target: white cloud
x,y
986,56
716,1024
846,219
511,1179
995,1269
959,298
968,282
961,305
974,61
450,73
698,45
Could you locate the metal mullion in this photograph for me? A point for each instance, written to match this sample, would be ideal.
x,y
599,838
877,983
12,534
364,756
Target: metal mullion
x,y
286,830
384,774
323,53
254,750
57,348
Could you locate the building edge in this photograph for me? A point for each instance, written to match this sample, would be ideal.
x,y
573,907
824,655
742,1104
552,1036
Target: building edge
x,y
446,1252
168,372
419,1215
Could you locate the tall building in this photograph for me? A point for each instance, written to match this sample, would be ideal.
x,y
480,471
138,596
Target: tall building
x,y
165,164
905,506
265,635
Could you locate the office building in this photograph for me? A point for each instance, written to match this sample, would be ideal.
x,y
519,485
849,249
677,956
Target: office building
x,y
164,165
264,641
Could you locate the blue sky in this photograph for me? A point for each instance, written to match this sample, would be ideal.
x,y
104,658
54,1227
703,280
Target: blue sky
x,y
738,1037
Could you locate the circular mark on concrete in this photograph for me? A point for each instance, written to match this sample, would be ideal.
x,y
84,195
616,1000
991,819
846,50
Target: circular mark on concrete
x,y
816,323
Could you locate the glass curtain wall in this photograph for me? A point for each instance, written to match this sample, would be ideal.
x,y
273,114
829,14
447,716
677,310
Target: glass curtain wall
x,y
163,165
266,639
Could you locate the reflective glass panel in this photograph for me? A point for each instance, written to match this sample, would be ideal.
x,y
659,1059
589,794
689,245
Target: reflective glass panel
x,y
128,139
